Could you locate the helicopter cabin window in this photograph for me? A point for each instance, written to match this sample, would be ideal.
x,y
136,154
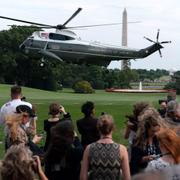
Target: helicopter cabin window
x,y
61,37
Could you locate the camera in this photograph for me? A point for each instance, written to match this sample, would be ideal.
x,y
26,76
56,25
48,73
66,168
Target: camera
x,y
23,98
103,113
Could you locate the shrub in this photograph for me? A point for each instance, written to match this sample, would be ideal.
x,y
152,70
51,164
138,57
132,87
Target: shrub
x,y
83,87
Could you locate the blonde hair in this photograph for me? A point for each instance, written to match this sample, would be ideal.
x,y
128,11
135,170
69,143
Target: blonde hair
x,y
13,121
148,118
18,164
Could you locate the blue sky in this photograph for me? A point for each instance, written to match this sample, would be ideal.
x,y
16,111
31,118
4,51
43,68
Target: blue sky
x,y
153,14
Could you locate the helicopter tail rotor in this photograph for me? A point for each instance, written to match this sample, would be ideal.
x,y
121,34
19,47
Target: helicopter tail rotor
x,y
157,41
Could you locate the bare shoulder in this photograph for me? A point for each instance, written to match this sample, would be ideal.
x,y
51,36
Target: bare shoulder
x,y
123,150
122,147
86,151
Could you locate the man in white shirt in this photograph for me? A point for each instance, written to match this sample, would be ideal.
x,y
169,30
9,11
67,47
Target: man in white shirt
x,y
9,108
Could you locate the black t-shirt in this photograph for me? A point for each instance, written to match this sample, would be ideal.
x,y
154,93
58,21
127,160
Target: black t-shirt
x,y
49,124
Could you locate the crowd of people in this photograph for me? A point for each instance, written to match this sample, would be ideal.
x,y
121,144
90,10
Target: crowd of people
x,y
153,143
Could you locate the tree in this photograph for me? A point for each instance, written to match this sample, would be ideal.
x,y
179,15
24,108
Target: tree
x,y
175,83
10,56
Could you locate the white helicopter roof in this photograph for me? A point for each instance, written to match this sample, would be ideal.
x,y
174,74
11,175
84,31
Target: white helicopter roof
x,y
45,34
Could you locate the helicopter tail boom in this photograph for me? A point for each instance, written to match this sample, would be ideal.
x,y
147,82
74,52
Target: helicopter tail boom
x,y
150,50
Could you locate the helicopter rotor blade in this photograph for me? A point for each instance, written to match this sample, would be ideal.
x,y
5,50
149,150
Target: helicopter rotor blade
x,y
87,26
23,21
76,27
160,53
30,27
157,37
74,14
96,25
149,39
164,42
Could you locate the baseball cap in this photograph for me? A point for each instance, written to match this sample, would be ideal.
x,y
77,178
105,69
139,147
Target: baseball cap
x,y
25,109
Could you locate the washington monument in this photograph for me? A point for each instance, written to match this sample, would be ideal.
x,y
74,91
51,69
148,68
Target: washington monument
x,y
125,63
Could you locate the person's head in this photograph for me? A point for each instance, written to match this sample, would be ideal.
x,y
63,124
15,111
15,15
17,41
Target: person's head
x,y
170,142
105,124
63,131
16,92
17,164
171,106
62,137
163,104
139,107
88,108
26,113
54,109
151,126
150,123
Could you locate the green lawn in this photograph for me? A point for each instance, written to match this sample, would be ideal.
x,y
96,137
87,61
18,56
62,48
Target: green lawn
x,y
116,104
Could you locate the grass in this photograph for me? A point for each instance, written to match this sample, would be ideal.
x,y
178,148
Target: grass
x,y
116,104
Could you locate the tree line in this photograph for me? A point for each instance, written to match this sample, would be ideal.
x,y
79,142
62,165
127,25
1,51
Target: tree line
x,y
16,67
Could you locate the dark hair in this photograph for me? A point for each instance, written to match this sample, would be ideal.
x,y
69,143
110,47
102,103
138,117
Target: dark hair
x,y
162,100
54,108
25,109
87,108
16,90
105,124
62,136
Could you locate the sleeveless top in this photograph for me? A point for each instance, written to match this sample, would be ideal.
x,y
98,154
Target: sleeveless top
x,y
104,161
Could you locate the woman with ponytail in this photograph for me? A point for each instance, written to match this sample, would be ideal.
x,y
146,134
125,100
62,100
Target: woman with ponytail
x,y
105,159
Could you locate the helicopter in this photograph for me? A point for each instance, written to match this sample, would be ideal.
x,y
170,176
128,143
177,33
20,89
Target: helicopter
x,y
65,45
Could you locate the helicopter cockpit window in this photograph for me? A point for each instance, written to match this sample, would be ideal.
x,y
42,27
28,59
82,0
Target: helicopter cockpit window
x,y
61,37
